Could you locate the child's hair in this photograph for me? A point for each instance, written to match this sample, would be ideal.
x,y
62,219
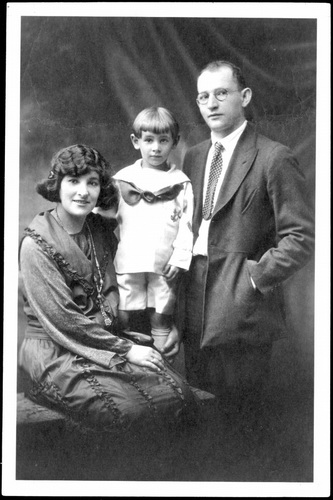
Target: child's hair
x,y
157,120
79,160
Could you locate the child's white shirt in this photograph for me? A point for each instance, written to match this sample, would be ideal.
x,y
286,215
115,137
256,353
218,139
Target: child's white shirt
x,y
152,235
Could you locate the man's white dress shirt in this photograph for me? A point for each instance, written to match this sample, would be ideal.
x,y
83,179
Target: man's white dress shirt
x,y
229,143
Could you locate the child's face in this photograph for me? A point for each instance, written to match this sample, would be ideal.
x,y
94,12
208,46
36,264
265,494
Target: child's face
x,y
155,148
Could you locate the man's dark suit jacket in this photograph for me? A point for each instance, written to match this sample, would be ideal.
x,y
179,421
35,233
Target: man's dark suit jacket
x,y
261,227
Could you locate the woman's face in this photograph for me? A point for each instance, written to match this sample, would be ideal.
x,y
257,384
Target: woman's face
x,y
79,195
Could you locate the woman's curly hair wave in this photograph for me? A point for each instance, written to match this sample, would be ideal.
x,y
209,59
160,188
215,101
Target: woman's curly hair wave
x,y
77,160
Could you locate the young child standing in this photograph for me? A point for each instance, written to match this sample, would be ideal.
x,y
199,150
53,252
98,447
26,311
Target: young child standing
x,y
154,224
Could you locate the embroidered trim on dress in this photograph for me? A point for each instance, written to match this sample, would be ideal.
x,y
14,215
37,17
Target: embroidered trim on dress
x,y
104,396
63,263
41,394
147,397
172,383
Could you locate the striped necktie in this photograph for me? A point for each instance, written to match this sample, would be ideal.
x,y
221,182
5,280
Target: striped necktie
x,y
214,174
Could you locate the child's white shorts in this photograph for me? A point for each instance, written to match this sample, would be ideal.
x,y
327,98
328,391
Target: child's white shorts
x,y
138,291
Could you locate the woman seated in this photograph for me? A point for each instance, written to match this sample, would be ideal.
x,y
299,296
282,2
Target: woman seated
x,y
76,358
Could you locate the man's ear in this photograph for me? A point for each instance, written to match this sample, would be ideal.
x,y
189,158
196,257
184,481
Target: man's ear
x,y
247,96
135,141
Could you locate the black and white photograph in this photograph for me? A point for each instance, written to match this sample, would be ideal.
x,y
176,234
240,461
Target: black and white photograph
x,y
216,382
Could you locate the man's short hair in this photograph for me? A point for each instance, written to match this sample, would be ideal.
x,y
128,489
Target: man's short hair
x,y
236,71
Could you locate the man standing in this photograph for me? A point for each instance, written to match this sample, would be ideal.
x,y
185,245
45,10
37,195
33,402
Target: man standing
x,y
252,230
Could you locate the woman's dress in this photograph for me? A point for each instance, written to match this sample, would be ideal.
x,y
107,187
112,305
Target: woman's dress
x,y
75,361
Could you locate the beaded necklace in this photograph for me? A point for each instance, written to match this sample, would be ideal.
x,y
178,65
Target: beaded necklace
x,y
80,238
99,282
61,224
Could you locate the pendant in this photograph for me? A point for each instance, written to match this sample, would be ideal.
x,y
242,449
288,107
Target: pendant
x,y
107,321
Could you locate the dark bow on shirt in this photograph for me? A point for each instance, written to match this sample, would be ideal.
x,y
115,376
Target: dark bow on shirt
x,y
132,194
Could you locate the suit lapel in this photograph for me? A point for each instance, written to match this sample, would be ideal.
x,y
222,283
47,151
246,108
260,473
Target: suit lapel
x,y
240,163
198,178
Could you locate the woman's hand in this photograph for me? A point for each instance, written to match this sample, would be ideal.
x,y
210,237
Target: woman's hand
x,y
146,357
172,344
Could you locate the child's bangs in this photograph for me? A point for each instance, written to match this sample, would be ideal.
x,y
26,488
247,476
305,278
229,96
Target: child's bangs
x,y
156,121
156,125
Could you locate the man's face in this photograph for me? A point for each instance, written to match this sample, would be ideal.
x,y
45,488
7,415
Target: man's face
x,y
222,117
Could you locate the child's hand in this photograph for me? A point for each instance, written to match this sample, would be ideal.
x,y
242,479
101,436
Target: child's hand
x,y
170,273
172,345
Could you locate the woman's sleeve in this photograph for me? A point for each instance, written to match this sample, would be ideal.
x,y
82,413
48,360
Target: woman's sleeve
x,y
50,299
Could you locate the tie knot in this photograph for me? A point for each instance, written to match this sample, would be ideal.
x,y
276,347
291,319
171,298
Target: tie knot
x,y
218,147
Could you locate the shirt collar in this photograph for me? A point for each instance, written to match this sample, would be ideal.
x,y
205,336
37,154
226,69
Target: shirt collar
x,y
231,139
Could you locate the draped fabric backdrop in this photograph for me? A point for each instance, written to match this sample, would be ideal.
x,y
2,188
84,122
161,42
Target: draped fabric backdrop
x,y
84,79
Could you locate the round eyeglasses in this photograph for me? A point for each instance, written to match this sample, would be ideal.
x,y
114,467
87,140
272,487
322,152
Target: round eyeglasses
x,y
219,94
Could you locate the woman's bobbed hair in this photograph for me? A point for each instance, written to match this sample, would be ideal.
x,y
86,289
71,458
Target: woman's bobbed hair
x,y
79,160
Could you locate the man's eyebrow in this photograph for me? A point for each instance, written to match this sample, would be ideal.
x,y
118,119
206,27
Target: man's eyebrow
x,y
214,90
